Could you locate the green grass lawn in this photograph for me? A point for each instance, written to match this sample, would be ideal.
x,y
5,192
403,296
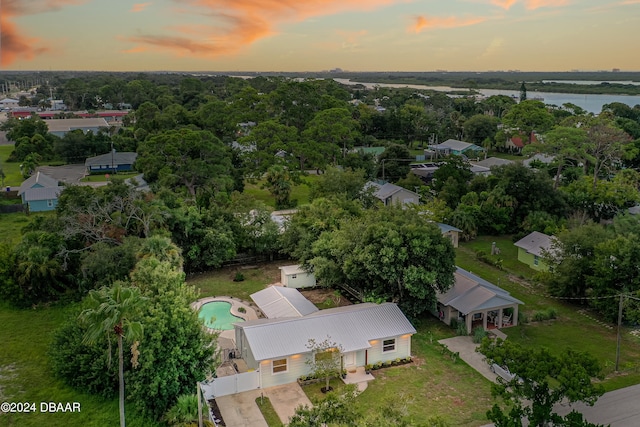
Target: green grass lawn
x,y
103,177
11,225
572,328
299,192
432,386
13,177
269,414
220,282
25,375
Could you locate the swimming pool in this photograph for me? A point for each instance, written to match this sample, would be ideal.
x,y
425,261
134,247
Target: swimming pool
x,y
217,315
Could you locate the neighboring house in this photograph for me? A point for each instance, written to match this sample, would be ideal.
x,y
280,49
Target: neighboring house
x,y
60,127
450,232
40,192
538,158
477,303
491,162
294,276
8,103
391,194
375,151
516,144
453,146
479,170
531,250
277,350
282,217
111,162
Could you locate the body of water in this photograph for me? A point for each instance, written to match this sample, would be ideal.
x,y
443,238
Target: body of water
x,y
593,82
591,103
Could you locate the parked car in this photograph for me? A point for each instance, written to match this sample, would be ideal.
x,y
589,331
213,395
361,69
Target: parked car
x,y
502,371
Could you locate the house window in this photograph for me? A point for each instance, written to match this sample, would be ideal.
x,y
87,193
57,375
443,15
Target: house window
x,y
50,203
535,260
279,365
294,276
389,345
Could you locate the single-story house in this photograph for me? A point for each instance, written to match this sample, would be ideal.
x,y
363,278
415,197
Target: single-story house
x,y
60,127
453,146
531,250
8,103
294,276
538,158
111,162
40,192
278,349
391,194
477,303
451,232
491,162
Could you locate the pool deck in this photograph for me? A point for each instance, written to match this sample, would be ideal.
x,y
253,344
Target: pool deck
x,y
249,314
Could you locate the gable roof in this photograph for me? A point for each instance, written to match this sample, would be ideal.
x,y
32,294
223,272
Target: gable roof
x,y
454,144
38,178
292,269
352,327
493,161
124,158
444,228
535,243
277,302
384,191
471,293
540,157
43,193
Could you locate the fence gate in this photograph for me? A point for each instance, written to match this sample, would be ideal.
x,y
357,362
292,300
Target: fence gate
x,y
232,384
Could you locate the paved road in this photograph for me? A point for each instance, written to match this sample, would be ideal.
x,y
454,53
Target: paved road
x,y
620,408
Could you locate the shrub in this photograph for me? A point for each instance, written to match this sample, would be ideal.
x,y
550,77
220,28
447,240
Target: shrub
x,y
242,310
539,316
523,318
461,329
551,313
239,277
478,334
454,323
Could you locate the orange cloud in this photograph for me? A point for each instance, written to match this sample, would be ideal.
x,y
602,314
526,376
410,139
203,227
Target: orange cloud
x,y
239,23
139,7
505,4
422,23
536,4
13,43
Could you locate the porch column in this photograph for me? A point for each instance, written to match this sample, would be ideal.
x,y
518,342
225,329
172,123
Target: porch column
x,y
484,320
468,321
514,321
499,325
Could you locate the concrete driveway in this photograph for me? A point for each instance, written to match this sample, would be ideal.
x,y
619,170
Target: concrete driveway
x,y
286,398
467,349
240,410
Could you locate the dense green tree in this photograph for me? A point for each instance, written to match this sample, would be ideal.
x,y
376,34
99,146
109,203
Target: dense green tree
x,y
390,254
306,225
394,163
527,117
113,311
480,127
269,143
278,181
334,409
451,180
176,351
332,131
194,160
497,105
541,381
335,182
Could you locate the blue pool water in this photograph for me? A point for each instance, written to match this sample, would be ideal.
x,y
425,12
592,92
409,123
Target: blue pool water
x,y
217,315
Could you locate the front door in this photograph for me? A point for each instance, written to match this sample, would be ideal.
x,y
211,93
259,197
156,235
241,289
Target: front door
x,y
350,360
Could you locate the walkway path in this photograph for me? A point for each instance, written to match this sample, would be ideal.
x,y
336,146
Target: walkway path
x,y
466,348
241,410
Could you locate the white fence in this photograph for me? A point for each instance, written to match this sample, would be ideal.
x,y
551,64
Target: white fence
x,y
231,384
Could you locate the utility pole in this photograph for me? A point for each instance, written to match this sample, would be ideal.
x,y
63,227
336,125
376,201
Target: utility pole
x,y
619,332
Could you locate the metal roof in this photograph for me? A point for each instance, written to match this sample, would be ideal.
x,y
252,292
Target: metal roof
x,y
278,302
42,193
387,190
351,327
65,125
446,227
471,293
125,158
292,269
493,161
38,178
454,144
535,243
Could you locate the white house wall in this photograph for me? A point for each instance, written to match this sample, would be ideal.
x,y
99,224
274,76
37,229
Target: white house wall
x,y
403,349
296,367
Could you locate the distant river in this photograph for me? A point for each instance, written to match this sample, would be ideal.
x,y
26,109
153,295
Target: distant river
x,y
591,103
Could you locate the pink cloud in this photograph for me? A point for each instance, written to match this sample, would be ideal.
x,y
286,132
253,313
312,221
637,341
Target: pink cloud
x,y
536,4
422,23
139,7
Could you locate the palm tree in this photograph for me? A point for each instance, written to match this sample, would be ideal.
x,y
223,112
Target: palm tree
x,y
111,311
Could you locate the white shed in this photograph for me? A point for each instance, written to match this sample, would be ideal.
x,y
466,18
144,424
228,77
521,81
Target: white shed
x,y
294,276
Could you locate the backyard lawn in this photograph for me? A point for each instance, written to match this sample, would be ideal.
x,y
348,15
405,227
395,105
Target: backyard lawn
x,y
13,177
299,192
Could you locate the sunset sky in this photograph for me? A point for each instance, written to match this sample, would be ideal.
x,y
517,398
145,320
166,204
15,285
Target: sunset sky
x,y
312,35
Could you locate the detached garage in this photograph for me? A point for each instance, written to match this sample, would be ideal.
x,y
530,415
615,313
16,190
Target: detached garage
x,y
294,276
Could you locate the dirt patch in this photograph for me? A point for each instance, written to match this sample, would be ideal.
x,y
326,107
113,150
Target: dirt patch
x,y
320,295
6,373
215,411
